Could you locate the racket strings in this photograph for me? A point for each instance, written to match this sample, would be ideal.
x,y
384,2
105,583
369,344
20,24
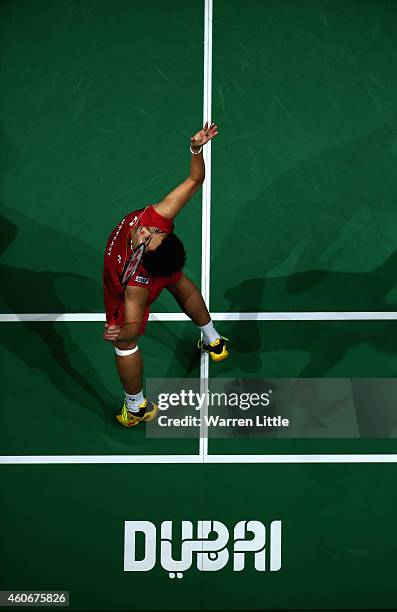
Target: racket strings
x,y
132,264
128,241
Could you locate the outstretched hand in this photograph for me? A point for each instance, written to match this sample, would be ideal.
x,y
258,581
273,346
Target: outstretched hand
x,y
204,135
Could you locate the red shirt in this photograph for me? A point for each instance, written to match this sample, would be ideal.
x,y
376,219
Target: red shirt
x,y
118,249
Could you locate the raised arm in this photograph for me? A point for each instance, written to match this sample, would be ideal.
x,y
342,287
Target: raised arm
x,y
173,202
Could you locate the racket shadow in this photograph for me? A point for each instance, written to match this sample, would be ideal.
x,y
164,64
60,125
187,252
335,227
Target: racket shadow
x,y
329,342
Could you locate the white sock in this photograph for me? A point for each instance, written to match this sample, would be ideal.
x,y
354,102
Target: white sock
x,y
133,401
209,333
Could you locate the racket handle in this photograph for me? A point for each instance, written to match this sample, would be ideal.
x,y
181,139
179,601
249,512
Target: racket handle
x,y
112,322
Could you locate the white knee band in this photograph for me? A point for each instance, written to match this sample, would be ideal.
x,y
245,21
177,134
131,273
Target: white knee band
x,y
125,353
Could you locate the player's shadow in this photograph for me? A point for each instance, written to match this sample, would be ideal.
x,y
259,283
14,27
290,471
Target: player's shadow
x,y
257,346
296,230
49,346
327,343
310,216
185,359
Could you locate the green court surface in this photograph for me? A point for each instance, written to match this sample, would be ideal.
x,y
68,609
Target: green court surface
x,y
304,172
70,534
94,126
66,371
99,99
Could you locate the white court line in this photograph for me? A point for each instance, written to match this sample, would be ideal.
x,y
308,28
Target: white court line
x,y
303,316
77,317
216,316
78,459
206,217
356,458
214,459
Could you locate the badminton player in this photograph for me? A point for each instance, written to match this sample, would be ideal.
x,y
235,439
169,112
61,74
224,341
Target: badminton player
x,y
127,307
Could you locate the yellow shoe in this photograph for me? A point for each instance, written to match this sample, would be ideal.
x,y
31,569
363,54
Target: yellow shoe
x,y
217,350
147,412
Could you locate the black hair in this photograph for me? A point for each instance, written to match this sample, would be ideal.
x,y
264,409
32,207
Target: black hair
x,y
169,257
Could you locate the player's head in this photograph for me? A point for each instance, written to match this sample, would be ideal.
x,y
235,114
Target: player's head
x,y
151,236
165,256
